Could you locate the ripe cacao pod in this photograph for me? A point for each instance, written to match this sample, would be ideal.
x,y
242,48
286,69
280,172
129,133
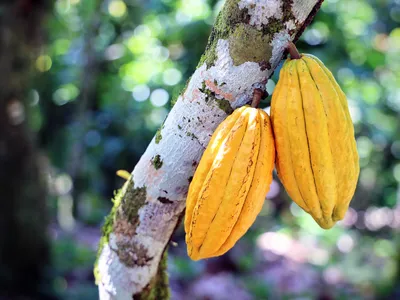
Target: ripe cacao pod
x,y
317,159
230,184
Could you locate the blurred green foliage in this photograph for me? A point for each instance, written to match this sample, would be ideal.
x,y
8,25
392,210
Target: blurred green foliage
x,y
106,79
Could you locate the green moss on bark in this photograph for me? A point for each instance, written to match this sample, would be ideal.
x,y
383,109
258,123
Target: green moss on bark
x,y
192,135
106,230
246,37
226,22
158,288
224,105
233,23
158,136
127,202
133,200
157,161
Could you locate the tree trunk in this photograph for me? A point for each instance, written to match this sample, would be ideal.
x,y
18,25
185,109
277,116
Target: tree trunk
x,y
23,240
246,44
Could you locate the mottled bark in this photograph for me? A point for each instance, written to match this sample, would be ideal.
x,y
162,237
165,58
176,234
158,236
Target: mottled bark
x,y
245,46
23,243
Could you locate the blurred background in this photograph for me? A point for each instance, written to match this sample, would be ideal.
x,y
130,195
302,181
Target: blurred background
x,y
106,76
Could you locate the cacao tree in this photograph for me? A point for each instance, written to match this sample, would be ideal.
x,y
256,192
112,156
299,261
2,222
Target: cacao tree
x,y
246,44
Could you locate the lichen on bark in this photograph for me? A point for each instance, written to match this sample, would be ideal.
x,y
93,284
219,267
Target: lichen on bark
x,y
126,203
158,136
233,23
157,162
132,254
226,22
158,288
244,37
210,96
132,200
224,105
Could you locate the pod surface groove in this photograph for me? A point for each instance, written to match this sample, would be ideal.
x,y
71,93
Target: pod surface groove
x,y
230,184
317,159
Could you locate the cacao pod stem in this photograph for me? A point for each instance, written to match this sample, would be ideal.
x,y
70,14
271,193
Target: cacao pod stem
x,y
257,95
294,53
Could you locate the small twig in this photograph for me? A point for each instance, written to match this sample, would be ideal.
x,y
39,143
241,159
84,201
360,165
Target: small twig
x,y
257,95
294,53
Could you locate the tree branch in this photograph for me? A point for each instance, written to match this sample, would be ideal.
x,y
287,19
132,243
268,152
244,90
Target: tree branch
x,y
246,44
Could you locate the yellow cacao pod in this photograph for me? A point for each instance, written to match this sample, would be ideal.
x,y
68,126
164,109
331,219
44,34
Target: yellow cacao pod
x,y
230,184
317,159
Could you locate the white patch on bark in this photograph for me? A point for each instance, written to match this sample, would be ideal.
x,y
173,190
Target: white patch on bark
x,y
114,276
290,25
120,282
302,8
279,44
236,83
261,10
